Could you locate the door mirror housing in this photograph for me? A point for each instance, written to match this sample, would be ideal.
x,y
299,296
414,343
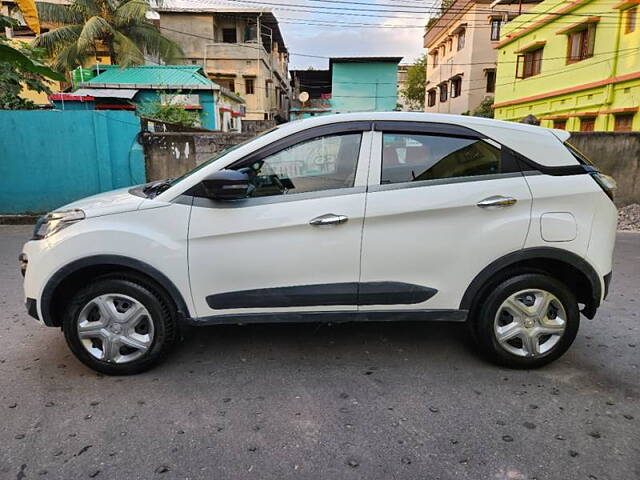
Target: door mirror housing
x,y
227,185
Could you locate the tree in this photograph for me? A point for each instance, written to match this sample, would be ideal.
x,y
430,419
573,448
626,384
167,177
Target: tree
x,y
485,109
19,68
414,90
119,26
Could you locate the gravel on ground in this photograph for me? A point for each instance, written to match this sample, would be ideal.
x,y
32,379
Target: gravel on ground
x,y
629,218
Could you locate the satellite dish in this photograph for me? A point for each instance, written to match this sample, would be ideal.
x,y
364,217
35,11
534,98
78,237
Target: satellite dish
x,y
303,97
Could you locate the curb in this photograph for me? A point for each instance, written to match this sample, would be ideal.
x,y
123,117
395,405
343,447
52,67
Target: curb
x,y
18,219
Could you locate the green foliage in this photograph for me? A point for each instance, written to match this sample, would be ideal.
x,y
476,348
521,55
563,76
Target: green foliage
x,y
168,112
119,26
485,109
21,68
414,90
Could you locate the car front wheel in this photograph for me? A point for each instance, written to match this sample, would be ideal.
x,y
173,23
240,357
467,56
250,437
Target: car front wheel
x,y
527,321
119,326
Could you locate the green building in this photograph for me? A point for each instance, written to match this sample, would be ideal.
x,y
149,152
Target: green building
x,y
573,65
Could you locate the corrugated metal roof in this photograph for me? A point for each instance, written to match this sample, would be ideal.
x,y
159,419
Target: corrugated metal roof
x,y
127,93
155,76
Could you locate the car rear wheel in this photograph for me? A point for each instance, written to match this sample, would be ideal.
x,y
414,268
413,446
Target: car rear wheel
x,y
527,321
119,326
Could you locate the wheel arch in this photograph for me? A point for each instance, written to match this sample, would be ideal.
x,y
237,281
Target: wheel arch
x,y
566,266
65,282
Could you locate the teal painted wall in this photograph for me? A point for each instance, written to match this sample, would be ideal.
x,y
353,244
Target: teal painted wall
x,y
50,158
207,114
364,87
206,99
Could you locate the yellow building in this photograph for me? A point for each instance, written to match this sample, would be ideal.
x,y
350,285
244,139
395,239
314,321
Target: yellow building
x,y
573,65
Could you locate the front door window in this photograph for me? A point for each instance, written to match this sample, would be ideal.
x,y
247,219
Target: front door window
x,y
322,163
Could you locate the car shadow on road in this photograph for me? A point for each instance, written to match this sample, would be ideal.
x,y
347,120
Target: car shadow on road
x,y
317,342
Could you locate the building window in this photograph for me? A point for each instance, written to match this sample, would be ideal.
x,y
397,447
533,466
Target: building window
x,y
266,89
456,86
580,44
560,124
461,39
450,43
435,58
226,83
431,97
248,86
491,81
229,35
529,63
495,29
623,122
630,25
587,124
443,92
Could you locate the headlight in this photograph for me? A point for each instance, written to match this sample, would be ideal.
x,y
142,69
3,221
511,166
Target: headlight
x,y
56,221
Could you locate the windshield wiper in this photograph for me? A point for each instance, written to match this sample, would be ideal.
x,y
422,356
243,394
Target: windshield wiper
x,y
156,188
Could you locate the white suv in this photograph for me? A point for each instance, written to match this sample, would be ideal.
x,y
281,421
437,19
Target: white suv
x,y
369,216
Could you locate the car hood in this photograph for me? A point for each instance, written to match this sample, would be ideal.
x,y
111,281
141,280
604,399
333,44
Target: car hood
x,y
107,203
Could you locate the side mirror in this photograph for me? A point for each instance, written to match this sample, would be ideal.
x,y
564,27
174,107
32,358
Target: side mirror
x,y
227,185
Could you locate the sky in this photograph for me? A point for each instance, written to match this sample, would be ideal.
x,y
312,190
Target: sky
x,y
333,39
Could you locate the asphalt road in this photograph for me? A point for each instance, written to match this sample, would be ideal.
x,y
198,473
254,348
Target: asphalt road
x,y
374,401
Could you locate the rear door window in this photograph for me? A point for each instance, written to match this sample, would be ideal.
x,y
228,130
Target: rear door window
x,y
408,157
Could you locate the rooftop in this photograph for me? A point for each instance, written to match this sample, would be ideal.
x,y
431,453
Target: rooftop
x,y
190,77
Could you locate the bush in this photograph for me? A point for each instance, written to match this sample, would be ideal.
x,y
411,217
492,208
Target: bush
x,y
168,112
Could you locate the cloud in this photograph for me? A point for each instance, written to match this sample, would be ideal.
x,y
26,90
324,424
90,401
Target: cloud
x,y
349,42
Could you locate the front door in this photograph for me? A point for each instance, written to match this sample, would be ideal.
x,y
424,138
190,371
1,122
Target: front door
x,y
442,205
294,245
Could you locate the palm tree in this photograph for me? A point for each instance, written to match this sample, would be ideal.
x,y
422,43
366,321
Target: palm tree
x,y
119,26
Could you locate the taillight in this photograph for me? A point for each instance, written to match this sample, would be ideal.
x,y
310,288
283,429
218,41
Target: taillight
x,y
607,183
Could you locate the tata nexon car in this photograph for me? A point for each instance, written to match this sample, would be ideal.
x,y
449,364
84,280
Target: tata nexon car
x,y
376,216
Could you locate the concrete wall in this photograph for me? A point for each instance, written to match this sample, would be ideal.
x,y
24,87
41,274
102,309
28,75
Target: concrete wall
x,y
616,154
51,158
171,154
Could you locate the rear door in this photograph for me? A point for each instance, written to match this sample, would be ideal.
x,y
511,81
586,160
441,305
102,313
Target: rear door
x,y
443,202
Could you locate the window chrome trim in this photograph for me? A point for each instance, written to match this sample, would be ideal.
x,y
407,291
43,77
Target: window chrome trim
x,y
441,181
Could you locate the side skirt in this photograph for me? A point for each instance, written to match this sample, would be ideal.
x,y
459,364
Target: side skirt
x,y
333,317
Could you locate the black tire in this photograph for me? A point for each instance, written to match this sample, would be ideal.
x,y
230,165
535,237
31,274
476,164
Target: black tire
x,y
485,312
161,313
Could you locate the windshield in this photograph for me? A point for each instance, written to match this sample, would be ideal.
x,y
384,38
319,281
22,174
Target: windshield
x,y
217,157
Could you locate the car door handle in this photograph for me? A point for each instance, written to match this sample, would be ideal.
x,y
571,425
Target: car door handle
x,y
328,219
497,201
